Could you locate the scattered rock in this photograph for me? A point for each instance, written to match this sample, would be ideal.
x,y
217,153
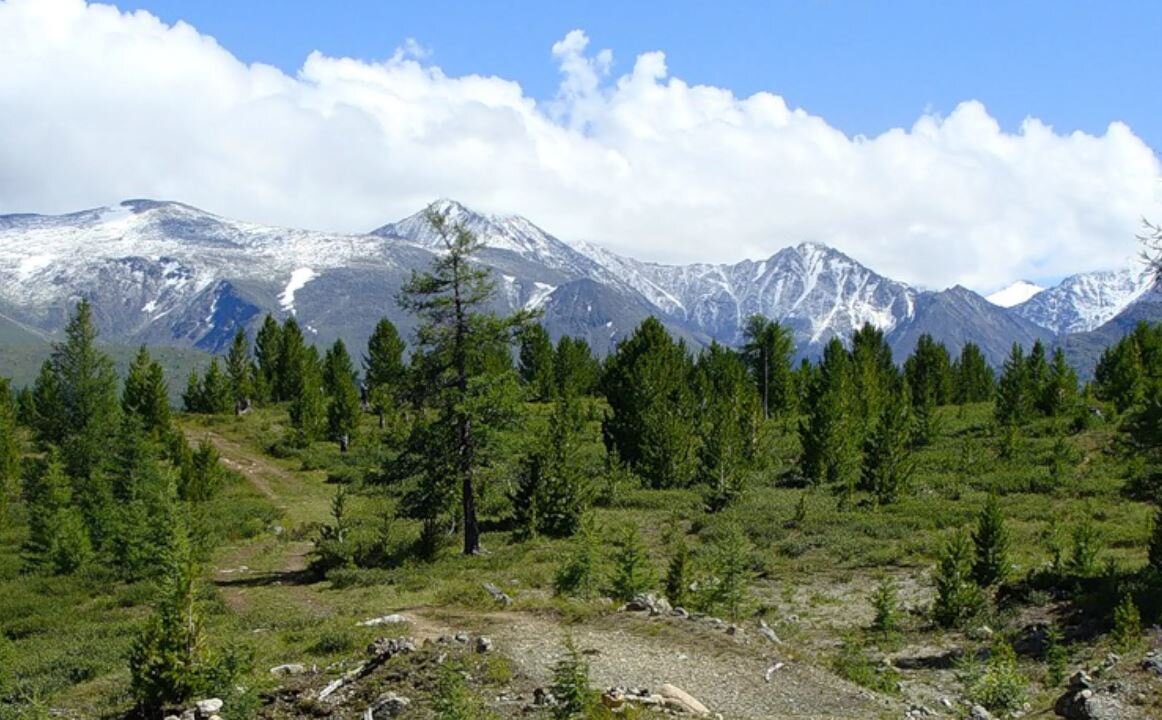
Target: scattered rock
x,y
1082,702
483,644
384,649
772,670
680,611
392,619
766,631
543,698
497,594
648,602
289,669
387,706
208,707
1153,662
978,712
679,698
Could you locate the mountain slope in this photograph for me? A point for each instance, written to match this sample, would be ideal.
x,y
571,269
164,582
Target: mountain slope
x,y
958,316
1084,302
1014,294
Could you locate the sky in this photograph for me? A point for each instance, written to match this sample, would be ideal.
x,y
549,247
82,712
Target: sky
x,y
938,143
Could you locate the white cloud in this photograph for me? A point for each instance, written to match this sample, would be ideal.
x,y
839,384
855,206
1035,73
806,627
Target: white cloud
x,y
98,105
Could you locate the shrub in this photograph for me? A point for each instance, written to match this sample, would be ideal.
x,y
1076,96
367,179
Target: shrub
x,y
571,684
677,580
1056,657
958,598
1085,549
726,581
991,541
577,576
1001,688
853,663
1127,631
632,574
453,700
886,603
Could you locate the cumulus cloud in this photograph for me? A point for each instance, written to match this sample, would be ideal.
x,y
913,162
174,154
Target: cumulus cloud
x,y
97,105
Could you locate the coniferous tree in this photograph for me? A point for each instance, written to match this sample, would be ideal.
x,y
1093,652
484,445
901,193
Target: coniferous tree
x,y
991,541
576,370
308,407
726,585
464,367
1120,376
874,374
58,539
887,456
292,359
677,581
653,427
729,409
46,412
828,433
384,371
10,449
958,598
240,371
267,352
973,379
536,362
1014,394
143,509
146,395
551,495
1059,391
1037,373
767,350
1155,547
339,381
928,372
85,387
201,475
632,571
217,395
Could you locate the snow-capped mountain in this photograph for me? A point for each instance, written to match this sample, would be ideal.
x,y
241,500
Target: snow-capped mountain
x,y
1014,294
1086,301
169,274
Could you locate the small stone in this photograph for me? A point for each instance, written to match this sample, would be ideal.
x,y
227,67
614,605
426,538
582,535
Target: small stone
x,y
208,707
289,669
483,644
978,712
387,706
461,638
497,594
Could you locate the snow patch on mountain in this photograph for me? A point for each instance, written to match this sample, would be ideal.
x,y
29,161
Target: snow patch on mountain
x,y
1014,294
1085,301
298,279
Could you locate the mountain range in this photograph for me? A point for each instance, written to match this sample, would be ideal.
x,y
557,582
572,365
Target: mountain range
x,y
166,273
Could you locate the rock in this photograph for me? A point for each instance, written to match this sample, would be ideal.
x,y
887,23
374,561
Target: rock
x,y
461,638
208,707
1152,663
392,619
289,669
680,612
946,703
679,698
649,602
387,706
1080,679
384,649
543,697
483,644
979,713
766,631
171,717
772,670
497,594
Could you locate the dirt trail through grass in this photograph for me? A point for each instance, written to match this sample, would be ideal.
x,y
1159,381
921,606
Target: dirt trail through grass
x,y
265,577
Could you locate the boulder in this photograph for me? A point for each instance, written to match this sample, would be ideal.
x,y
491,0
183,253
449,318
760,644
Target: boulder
x,y
388,705
978,712
1153,662
649,602
678,698
208,707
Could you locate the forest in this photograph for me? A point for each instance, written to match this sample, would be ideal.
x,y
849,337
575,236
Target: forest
x,y
858,507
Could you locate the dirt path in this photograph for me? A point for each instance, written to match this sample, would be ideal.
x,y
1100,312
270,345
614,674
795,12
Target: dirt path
x,y
727,673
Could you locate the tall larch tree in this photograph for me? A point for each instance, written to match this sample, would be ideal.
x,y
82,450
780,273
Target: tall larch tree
x,y
1059,391
458,343
536,362
339,382
767,349
653,426
384,371
729,410
1014,393
575,370
974,381
267,352
828,431
240,371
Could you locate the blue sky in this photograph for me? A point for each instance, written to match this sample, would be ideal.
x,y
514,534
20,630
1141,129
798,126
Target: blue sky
x,y
939,142
866,67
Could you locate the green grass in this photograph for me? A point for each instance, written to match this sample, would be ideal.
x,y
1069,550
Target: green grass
x,y
70,634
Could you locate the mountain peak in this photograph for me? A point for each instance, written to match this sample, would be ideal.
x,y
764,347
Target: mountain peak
x,y
1014,294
